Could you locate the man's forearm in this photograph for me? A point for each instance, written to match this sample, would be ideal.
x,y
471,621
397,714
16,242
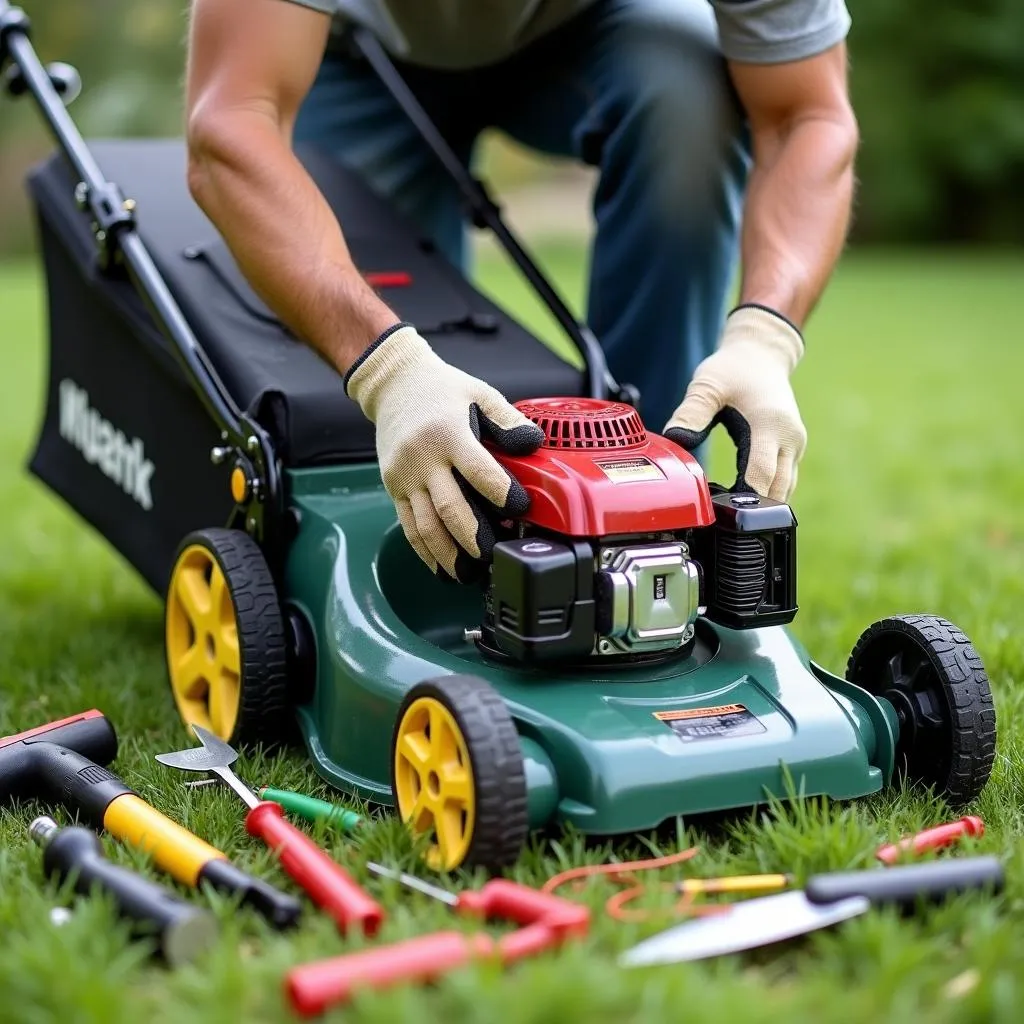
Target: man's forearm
x,y
283,235
797,214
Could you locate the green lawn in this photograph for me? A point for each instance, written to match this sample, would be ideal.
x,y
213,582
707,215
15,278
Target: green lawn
x,y
910,499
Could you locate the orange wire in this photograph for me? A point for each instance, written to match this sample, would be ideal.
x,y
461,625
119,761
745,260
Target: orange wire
x,y
615,906
617,870
622,873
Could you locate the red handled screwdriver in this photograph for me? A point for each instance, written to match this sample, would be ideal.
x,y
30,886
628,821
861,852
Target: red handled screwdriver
x,y
545,922
323,879
932,839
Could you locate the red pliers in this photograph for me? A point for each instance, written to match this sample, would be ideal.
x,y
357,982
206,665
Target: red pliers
x,y
545,922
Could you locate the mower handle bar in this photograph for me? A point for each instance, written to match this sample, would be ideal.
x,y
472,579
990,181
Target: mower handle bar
x,y
116,237
114,214
600,382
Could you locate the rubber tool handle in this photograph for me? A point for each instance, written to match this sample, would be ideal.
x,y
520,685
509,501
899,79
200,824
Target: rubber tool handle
x,y
932,839
311,809
501,898
190,860
314,987
60,775
326,882
182,932
174,849
281,909
904,886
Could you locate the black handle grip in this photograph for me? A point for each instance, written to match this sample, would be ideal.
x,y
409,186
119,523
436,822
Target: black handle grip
x,y
79,784
90,734
281,909
182,932
904,886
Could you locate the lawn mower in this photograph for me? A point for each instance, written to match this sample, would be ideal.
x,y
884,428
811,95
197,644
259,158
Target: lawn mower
x,y
628,658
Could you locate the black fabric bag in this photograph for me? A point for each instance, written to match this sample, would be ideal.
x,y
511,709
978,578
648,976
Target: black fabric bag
x,y
125,440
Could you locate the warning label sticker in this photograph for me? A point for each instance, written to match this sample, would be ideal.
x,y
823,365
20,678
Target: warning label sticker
x,y
719,723
624,471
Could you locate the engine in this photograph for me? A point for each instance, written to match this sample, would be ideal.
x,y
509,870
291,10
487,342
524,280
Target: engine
x,y
626,546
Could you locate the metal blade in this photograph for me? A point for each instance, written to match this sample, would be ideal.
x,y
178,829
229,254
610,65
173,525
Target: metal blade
x,y
747,925
415,883
214,753
240,789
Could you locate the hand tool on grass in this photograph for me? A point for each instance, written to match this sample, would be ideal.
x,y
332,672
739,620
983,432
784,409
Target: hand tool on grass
x,y
687,890
63,762
181,932
931,839
826,900
324,880
312,809
545,921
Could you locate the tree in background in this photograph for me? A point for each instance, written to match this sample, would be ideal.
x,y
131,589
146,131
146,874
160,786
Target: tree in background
x,y
938,88
939,93
130,55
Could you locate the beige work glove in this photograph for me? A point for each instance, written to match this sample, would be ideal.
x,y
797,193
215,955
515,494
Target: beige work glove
x,y
745,386
430,419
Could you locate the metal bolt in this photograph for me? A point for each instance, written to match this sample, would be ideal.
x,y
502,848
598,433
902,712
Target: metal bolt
x,y
82,195
606,556
252,442
101,235
687,634
604,646
218,454
471,636
128,206
252,524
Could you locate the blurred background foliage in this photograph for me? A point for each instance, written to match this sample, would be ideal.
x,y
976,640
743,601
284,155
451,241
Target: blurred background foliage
x,y
938,88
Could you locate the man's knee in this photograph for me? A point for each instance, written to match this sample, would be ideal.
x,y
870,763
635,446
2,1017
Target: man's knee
x,y
678,112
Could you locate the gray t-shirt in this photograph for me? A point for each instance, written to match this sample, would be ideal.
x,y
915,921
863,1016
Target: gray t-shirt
x,y
456,34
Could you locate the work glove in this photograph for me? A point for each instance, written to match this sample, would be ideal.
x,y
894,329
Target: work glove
x,y
745,386
430,421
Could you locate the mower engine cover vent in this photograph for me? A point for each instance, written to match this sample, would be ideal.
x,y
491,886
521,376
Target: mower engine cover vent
x,y
599,473
585,423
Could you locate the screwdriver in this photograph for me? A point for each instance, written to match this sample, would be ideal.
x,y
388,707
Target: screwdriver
x,y
932,839
182,931
324,880
311,808
546,921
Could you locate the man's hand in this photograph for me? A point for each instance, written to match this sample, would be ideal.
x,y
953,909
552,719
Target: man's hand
x,y
745,386
431,419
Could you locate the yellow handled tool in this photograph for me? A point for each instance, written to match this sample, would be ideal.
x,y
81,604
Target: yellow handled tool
x,y
736,883
63,762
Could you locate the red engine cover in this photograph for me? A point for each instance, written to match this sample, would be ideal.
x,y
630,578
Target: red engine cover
x,y
600,473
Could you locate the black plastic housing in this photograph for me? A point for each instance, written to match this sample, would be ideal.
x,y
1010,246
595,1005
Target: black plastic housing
x,y
748,559
62,762
542,599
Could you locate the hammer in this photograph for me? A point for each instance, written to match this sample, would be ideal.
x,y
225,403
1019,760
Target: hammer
x,y
63,763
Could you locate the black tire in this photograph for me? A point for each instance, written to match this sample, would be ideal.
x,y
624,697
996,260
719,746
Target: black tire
x,y
264,711
496,766
934,678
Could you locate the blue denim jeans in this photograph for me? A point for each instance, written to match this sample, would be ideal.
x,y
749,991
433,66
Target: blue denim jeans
x,y
636,89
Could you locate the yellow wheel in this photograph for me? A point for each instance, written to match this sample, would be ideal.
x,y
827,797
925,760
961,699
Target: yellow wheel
x,y
225,639
458,774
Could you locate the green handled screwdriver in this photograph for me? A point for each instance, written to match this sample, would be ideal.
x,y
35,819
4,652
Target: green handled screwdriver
x,y
311,809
